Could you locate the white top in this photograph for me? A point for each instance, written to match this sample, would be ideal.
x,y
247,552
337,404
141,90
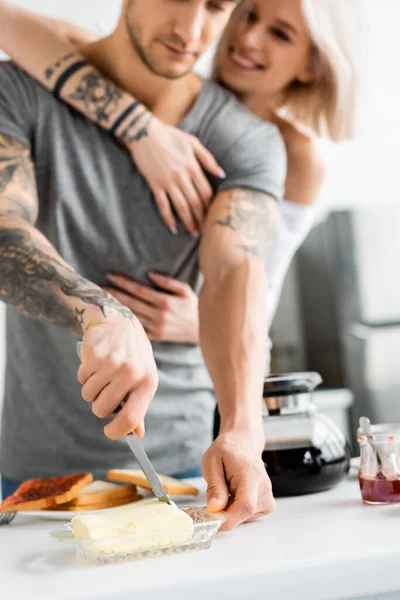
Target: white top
x,y
296,223
326,546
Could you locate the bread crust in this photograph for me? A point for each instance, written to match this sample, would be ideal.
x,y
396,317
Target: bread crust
x,y
174,487
71,507
115,492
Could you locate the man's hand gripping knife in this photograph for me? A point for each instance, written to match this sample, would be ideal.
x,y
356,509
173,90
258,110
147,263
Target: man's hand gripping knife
x,y
117,358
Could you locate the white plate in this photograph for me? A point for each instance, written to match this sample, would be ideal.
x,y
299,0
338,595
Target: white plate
x,y
65,515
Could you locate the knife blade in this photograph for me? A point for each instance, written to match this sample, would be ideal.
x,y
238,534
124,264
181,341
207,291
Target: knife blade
x,y
140,454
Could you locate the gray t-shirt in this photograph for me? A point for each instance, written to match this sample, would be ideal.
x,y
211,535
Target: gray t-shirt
x,y
97,211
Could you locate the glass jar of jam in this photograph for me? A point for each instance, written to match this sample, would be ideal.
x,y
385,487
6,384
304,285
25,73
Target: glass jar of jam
x,y
379,471
305,452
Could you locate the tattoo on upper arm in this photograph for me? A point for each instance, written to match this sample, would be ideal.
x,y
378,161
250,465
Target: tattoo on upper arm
x,y
100,97
254,216
17,180
34,282
52,69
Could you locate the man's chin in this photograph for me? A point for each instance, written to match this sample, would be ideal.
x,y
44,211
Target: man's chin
x,y
174,72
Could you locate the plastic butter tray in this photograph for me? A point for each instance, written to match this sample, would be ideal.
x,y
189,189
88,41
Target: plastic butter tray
x,y
141,544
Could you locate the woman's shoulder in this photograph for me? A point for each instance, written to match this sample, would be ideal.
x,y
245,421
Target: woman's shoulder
x,y
306,164
302,148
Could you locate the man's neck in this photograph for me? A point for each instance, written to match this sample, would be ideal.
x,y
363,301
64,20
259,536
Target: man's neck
x,y
168,99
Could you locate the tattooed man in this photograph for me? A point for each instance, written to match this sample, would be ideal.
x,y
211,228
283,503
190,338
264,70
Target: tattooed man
x,y
73,209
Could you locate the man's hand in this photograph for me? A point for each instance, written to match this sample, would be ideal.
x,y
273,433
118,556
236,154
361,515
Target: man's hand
x,y
167,316
118,365
232,466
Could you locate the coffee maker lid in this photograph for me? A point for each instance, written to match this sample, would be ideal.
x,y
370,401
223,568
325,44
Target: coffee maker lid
x,y
288,384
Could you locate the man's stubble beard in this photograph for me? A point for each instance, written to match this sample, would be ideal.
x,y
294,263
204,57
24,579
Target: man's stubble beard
x,y
134,32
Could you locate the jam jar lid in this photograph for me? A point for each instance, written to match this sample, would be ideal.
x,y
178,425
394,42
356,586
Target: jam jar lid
x,y
382,432
289,384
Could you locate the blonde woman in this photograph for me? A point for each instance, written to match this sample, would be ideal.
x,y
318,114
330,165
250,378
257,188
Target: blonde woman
x,y
292,62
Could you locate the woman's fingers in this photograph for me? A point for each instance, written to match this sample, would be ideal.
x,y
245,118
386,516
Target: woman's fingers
x,y
164,208
169,284
206,159
141,292
192,195
139,308
203,186
182,208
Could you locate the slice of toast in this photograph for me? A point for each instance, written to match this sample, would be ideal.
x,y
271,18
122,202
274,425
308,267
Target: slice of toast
x,y
102,491
36,494
174,487
111,503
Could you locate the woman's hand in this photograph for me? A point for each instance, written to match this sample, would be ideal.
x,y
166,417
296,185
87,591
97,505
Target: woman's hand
x,y
167,316
172,163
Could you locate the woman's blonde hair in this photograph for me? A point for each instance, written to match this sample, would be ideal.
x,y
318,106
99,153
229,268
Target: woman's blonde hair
x,y
329,104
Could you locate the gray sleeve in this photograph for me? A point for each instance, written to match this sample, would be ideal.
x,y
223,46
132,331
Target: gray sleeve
x,y
18,103
257,161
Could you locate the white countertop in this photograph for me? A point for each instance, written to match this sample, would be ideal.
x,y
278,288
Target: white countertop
x,y
326,546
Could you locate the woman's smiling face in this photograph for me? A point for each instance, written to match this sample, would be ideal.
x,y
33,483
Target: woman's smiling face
x,y
266,46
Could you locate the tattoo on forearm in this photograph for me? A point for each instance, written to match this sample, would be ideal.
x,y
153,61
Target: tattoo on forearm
x,y
100,97
131,134
52,69
34,282
100,100
254,216
32,279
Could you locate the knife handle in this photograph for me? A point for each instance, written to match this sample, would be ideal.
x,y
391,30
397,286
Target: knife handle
x,y
122,404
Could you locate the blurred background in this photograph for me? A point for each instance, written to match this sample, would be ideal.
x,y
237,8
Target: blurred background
x,y
340,309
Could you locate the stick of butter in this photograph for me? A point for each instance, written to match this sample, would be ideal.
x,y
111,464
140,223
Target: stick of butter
x,y
139,526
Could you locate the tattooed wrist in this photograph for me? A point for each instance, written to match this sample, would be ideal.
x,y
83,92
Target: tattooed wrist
x,y
137,129
100,300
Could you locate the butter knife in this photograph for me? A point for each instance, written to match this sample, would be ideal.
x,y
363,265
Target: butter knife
x,y
140,455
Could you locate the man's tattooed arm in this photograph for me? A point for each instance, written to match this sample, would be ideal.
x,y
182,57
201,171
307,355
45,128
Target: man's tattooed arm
x,y
33,277
240,226
254,217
